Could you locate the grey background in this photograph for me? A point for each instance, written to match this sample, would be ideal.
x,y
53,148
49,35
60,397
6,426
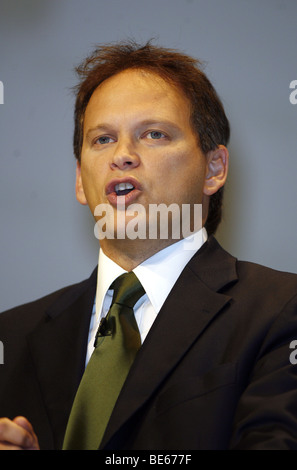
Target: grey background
x,y
249,47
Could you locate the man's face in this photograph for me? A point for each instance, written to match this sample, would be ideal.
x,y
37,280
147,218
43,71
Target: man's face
x,y
139,146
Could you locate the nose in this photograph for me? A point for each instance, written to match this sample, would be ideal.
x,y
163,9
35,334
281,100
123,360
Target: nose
x,y
125,156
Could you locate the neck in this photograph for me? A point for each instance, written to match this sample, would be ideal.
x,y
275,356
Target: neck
x,y
130,253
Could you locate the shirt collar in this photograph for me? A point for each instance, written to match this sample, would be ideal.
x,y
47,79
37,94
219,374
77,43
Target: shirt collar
x,y
157,274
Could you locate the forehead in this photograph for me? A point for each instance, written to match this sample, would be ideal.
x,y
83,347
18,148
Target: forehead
x,y
136,90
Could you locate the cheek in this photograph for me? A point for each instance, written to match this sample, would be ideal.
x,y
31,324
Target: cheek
x,y
190,182
187,168
93,184
176,180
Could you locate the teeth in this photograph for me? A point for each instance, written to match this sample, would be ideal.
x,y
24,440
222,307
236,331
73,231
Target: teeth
x,y
123,186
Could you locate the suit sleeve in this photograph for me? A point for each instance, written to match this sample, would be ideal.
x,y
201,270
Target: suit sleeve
x,y
266,417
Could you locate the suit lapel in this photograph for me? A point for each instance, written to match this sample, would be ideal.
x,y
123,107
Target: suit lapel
x,y
188,310
58,346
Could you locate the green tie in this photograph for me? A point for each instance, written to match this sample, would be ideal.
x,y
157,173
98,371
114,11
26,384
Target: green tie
x,y
108,367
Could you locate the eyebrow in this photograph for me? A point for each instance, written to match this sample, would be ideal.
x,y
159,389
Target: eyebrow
x,y
161,122
99,127
147,122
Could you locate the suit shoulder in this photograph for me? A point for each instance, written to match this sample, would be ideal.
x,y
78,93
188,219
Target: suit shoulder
x,y
31,312
250,268
263,279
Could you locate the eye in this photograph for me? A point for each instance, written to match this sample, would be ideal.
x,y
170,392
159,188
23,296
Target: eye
x,y
156,135
104,139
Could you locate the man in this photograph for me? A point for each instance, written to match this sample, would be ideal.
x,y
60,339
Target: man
x,y
213,369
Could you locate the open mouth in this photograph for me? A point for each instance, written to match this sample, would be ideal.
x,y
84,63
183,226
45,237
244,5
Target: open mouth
x,y
123,192
122,189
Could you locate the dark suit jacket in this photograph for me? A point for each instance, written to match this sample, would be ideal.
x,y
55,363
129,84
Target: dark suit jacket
x,y
213,373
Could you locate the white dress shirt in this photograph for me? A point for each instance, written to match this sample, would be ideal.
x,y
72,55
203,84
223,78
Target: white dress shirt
x,y
157,275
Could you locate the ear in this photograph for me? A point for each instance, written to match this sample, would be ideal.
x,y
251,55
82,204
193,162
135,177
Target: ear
x,y
217,170
79,189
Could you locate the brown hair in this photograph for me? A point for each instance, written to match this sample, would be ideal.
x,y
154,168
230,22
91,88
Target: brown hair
x,y
207,115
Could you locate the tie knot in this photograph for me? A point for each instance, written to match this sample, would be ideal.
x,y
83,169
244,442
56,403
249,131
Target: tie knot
x,y
127,290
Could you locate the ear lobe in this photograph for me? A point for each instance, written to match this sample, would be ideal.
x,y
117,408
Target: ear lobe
x,y
217,170
79,190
